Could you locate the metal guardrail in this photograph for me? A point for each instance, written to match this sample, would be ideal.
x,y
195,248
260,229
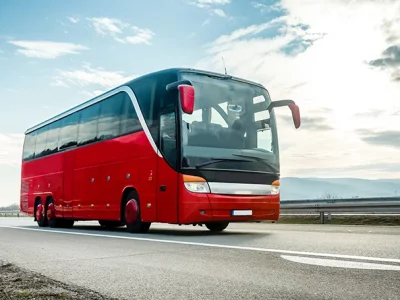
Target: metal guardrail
x,y
384,205
389,205
5,213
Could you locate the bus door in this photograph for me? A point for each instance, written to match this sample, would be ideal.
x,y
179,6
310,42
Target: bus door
x,y
167,178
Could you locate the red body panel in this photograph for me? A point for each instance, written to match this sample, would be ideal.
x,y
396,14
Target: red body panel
x,y
87,183
167,200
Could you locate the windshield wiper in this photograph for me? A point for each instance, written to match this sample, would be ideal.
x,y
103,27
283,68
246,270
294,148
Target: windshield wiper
x,y
271,166
217,160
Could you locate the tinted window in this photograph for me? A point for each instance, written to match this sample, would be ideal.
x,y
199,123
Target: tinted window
x,y
152,96
87,130
130,121
52,138
145,89
68,131
40,142
168,137
29,146
110,116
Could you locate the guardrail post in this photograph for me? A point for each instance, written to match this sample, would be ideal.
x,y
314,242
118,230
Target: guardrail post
x,y
322,217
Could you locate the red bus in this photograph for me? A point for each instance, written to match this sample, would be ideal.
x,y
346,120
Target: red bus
x,y
179,146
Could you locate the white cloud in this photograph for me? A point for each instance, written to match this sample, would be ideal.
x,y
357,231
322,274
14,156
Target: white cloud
x,y
121,31
210,6
266,8
108,26
141,36
10,167
319,60
206,22
73,20
208,3
47,49
219,12
92,94
11,149
87,76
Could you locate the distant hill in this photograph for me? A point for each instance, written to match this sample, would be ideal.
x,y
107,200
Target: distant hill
x,y
293,188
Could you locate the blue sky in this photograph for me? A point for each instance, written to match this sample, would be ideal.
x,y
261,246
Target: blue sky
x,y
176,38
334,58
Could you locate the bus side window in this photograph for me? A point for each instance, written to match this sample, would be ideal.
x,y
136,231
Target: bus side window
x,y
129,119
168,137
110,117
68,132
29,146
52,138
41,142
87,129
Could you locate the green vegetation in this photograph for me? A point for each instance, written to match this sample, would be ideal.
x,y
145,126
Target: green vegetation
x,y
342,220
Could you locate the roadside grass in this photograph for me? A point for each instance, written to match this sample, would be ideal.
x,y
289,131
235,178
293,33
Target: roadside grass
x,y
342,220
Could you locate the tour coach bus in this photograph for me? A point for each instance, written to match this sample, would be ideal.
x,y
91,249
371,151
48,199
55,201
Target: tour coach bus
x,y
179,146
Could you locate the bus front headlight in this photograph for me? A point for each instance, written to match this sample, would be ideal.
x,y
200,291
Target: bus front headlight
x,y
275,186
197,187
195,184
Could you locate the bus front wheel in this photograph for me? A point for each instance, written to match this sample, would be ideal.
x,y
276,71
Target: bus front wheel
x,y
132,215
217,226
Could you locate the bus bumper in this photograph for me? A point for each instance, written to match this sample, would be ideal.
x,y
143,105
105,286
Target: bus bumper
x,y
231,208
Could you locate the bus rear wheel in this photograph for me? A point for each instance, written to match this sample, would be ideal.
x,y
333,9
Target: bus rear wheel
x,y
51,215
132,215
217,226
56,222
40,215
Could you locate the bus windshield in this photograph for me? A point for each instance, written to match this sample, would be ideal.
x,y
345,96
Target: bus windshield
x,y
230,128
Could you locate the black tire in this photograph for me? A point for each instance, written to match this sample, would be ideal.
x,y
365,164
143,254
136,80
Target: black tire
x,y
42,219
217,226
58,222
53,222
134,223
66,223
110,224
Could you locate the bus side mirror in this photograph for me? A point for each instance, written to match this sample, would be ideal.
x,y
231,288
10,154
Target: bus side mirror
x,y
295,115
186,95
293,107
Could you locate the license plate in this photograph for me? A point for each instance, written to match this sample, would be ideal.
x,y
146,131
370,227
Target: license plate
x,y
242,212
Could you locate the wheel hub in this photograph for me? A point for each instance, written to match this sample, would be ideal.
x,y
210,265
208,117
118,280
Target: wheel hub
x,y
50,212
39,212
131,211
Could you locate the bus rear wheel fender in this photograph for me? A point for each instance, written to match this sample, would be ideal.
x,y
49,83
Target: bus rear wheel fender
x,y
132,215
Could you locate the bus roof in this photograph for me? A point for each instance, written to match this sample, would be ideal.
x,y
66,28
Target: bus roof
x,y
160,72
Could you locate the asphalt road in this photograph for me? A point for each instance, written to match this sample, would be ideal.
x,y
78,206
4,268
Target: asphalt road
x,y
247,261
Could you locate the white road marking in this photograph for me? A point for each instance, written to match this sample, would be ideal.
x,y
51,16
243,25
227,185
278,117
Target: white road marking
x,y
136,238
340,263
